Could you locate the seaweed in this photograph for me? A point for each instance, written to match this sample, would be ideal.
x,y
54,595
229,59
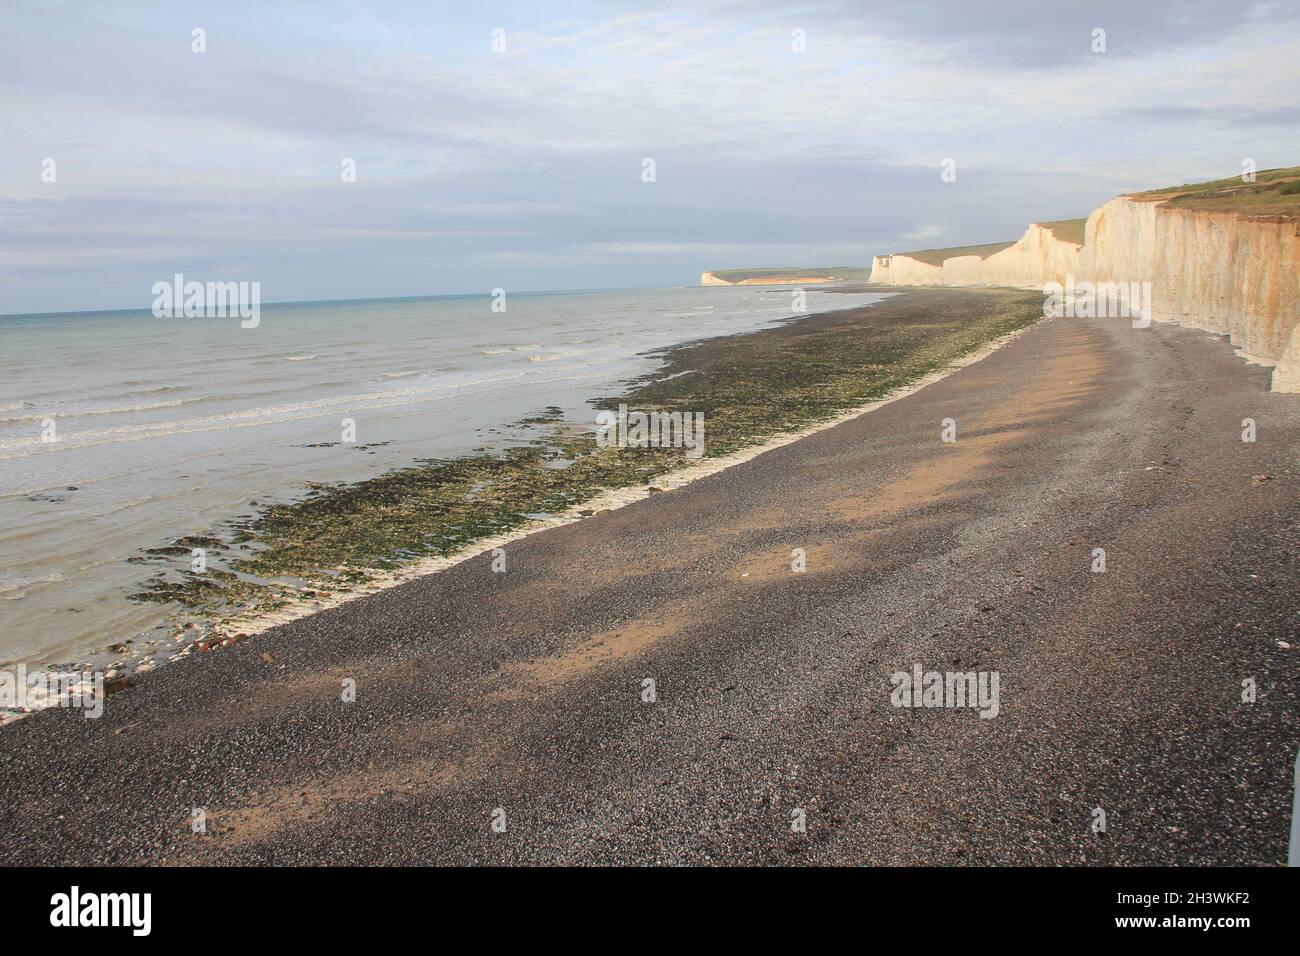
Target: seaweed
x,y
750,387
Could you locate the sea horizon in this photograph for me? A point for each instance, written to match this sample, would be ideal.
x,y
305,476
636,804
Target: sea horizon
x,y
121,443
281,303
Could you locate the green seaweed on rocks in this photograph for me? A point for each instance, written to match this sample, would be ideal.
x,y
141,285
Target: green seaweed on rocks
x,y
750,387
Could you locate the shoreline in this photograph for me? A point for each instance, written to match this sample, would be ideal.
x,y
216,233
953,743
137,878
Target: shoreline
x,y
691,369
240,629
524,690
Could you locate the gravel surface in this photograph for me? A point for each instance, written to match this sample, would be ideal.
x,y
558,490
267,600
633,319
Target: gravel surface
x,y
523,693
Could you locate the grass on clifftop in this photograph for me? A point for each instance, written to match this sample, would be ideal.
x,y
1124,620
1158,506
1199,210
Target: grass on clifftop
x,y
935,257
1275,192
750,387
1067,230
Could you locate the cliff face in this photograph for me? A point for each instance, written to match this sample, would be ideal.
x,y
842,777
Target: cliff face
x,y
709,278
902,270
1037,257
1218,271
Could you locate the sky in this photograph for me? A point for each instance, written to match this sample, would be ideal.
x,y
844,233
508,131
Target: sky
x,y
521,167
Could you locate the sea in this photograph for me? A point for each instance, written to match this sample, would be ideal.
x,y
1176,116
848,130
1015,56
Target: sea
x,y
121,431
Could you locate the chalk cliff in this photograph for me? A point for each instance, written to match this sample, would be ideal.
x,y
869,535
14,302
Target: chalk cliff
x,y
1037,257
904,270
1219,270
1229,274
709,278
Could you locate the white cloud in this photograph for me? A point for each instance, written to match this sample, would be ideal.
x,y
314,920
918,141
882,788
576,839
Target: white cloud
x,y
532,157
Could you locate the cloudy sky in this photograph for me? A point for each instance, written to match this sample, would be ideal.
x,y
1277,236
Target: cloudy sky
x,y
522,168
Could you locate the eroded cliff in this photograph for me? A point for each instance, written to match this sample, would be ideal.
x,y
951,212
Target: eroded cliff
x,y
1228,274
1231,271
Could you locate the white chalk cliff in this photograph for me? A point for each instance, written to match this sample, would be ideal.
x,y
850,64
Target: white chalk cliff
x,y
1222,272
709,278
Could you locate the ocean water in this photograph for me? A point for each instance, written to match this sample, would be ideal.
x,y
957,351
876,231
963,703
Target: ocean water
x,y
168,427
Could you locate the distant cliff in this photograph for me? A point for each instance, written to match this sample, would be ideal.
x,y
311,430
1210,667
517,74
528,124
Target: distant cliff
x,y
785,276
1046,252
1222,256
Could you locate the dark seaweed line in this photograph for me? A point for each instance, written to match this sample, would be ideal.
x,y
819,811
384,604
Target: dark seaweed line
x,y
750,387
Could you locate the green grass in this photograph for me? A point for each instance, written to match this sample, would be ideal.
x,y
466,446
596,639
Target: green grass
x,y
1273,193
935,257
1067,230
